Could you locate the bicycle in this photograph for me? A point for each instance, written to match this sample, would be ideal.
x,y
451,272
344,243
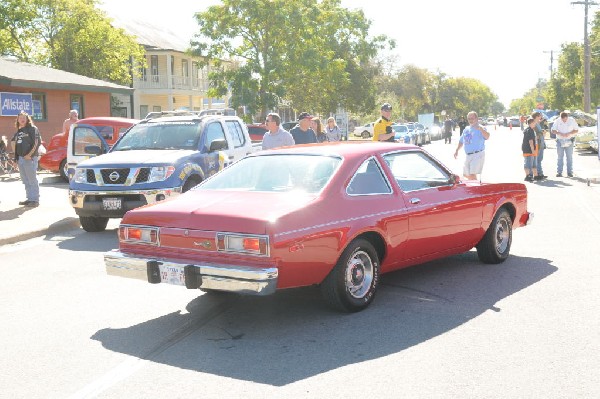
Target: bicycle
x,y
7,163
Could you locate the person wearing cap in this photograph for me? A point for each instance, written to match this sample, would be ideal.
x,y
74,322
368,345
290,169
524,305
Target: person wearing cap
x,y
565,128
473,139
302,133
275,136
382,129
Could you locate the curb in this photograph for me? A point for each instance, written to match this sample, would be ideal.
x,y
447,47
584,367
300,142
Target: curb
x,y
54,228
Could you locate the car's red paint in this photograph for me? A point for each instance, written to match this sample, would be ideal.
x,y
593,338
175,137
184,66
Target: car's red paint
x,y
256,131
308,231
56,155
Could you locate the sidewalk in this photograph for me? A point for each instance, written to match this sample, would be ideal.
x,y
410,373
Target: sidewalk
x,y
18,223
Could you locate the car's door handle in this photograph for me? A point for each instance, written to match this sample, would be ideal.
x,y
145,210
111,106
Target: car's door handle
x,y
415,200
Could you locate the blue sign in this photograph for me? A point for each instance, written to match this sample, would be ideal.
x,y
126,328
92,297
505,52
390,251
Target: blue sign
x,y
13,103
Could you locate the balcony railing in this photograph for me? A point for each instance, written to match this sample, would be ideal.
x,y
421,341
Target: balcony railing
x,y
177,83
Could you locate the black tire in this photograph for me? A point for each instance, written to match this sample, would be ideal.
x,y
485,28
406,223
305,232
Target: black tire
x,y
365,135
62,169
190,183
351,285
93,224
494,247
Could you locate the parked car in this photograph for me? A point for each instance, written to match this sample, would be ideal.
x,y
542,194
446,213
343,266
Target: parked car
x,y
491,121
256,131
585,137
288,125
364,131
422,133
402,134
55,159
339,216
435,131
514,121
158,158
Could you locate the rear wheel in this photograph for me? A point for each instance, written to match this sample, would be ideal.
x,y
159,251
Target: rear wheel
x,y
365,135
351,285
93,224
494,247
62,169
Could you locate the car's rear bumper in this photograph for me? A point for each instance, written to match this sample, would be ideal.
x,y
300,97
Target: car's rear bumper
x,y
239,279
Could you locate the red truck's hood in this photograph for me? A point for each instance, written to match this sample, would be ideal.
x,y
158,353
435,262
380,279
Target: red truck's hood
x,y
248,212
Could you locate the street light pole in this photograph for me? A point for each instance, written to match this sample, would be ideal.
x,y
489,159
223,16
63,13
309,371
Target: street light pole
x,y
586,56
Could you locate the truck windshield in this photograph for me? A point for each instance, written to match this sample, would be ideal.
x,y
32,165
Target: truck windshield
x,y
163,136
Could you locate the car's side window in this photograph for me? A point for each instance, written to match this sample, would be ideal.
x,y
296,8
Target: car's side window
x,y
369,180
82,137
214,131
416,171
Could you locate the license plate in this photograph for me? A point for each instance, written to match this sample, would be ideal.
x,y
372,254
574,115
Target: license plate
x,y
172,274
111,204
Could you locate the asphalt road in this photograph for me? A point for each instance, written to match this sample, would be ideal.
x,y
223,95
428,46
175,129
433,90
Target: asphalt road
x,y
527,328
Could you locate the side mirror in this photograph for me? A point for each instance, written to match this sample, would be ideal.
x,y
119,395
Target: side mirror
x,y
218,145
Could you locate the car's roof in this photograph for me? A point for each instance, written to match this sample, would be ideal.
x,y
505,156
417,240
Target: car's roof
x,y
343,149
107,119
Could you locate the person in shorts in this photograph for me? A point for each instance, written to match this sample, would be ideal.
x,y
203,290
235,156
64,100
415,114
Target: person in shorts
x,y
473,140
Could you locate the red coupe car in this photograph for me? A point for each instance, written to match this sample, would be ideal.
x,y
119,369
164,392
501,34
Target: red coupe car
x,y
336,215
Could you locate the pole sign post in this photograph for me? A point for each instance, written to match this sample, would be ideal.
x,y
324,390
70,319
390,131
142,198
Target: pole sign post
x,y
597,130
11,104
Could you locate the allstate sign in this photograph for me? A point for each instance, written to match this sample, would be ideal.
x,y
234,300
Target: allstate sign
x,y
13,103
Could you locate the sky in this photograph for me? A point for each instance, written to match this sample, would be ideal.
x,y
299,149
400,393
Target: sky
x,y
505,44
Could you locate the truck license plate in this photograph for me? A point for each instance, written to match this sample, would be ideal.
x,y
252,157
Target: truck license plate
x,y
172,274
111,204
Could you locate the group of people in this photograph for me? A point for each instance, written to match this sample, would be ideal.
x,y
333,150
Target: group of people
x,y
564,128
308,130
27,141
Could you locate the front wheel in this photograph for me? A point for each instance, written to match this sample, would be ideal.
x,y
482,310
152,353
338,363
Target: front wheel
x,y
494,247
93,224
365,135
351,285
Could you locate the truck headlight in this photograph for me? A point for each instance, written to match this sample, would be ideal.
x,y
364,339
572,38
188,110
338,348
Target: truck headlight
x,y
160,173
80,175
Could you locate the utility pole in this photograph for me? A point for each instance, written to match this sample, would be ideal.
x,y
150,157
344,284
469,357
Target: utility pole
x,y
551,62
586,56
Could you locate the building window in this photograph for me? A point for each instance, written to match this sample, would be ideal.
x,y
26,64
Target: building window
x,y
143,111
39,106
77,104
156,108
154,67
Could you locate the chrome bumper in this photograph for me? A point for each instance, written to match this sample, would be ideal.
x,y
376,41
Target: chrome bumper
x,y
77,197
240,279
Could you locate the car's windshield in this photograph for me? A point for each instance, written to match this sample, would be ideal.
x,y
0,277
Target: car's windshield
x,y
276,173
163,136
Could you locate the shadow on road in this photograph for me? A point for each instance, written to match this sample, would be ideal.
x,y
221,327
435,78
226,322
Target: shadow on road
x,y
291,336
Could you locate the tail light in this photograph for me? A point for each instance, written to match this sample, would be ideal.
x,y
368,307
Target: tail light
x,y
241,243
139,234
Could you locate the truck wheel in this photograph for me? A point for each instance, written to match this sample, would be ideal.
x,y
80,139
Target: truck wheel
x,y
62,169
351,285
93,224
494,247
190,183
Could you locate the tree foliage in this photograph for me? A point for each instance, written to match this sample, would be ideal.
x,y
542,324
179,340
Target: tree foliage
x,y
71,35
312,55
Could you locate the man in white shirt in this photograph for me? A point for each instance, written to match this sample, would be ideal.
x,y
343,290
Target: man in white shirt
x,y
565,128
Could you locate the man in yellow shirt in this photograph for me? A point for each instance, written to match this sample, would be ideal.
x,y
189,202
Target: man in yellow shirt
x,y
382,130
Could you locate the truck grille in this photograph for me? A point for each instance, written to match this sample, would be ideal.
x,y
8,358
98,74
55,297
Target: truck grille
x,y
114,176
143,175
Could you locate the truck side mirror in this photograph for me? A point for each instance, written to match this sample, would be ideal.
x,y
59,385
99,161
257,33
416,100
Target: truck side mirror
x,y
218,145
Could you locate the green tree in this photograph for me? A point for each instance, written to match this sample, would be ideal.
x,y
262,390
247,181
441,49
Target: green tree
x,y
71,35
313,54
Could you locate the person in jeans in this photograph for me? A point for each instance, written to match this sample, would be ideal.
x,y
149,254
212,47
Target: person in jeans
x,y
541,144
565,128
27,140
530,150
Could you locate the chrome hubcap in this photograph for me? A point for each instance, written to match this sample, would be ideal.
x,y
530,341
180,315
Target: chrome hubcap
x,y
502,235
359,274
